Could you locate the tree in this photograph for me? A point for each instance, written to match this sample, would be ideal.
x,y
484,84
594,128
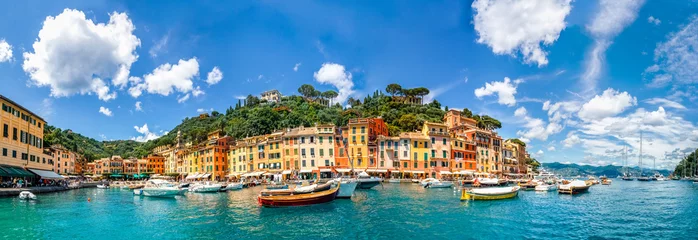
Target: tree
x,y
329,95
420,91
353,102
408,122
306,90
251,101
517,141
393,89
467,113
534,163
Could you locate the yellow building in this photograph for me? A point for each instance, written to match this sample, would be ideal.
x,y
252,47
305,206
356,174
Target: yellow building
x,y
363,140
21,141
419,150
274,152
440,148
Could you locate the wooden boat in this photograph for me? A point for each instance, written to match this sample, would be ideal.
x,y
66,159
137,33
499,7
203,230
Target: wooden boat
x,y
493,193
272,200
528,186
574,187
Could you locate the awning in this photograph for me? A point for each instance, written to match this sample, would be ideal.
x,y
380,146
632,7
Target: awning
x,y
47,174
418,172
343,170
268,174
206,175
192,176
467,172
8,171
325,170
116,175
445,173
306,171
286,172
407,171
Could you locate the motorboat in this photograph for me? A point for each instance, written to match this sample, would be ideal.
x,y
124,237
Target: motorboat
x,y
528,186
643,178
484,181
367,182
574,187
102,186
234,186
280,198
545,187
276,186
606,181
490,193
159,188
26,195
593,180
424,182
205,187
348,187
415,180
439,184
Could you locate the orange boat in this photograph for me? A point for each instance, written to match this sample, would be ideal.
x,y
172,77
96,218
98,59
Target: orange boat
x,y
285,200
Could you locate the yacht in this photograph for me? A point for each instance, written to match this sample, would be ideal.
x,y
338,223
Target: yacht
x,y
234,186
205,187
367,182
435,183
159,188
347,187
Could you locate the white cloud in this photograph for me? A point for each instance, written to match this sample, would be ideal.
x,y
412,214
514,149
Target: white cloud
x,y
214,76
138,106
160,46
609,104
535,128
240,97
551,149
183,98
612,17
295,67
435,92
202,110
72,54
571,140
46,109
512,26
520,112
654,20
540,152
336,75
5,51
664,103
197,92
146,134
105,111
168,78
676,60
260,77
505,91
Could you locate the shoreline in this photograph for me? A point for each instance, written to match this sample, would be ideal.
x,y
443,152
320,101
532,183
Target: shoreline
x,y
14,192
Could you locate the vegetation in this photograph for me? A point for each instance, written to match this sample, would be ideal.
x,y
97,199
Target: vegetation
x,y
533,162
688,165
610,171
517,141
257,117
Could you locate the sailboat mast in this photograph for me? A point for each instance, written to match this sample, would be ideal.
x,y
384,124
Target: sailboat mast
x,y
641,171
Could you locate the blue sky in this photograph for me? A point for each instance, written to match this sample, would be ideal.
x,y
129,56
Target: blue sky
x,y
584,77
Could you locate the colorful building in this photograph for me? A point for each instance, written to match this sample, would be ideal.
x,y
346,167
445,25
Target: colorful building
x,y
440,146
419,153
363,145
388,159
155,164
64,160
463,154
518,153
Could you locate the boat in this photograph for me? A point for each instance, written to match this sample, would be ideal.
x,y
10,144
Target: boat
x,y
206,187
492,193
627,178
606,181
643,178
435,183
593,180
136,186
528,186
545,187
366,181
348,187
26,195
159,188
234,186
574,187
269,198
414,180
486,182
394,180
275,186
102,186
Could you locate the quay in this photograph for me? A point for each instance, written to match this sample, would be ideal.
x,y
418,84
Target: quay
x,y
14,192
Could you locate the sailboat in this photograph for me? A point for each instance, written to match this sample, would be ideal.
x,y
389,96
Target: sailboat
x,y
642,175
626,174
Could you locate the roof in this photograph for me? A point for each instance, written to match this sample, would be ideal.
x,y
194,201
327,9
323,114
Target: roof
x,y
20,107
413,135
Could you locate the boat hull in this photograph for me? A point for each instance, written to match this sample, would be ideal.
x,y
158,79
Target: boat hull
x,y
299,199
234,186
368,183
439,185
160,192
394,180
347,189
466,195
545,188
573,190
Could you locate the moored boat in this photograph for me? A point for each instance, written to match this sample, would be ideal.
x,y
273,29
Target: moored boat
x,y
492,193
367,182
528,186
26,195
206,187
234,186
277,186
348,187
102,186
394,180
435,183
268,198
606,181
574,187
159,188
545,187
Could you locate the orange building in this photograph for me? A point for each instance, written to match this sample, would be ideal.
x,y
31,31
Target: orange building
x,y
155,164
363,140
214,156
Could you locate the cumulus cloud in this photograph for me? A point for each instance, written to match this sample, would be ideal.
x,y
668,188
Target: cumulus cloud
x,y
139,107
609,104
336,75
295,67
512,26
202,110
676,59
214,76
197,92
73,55
654,20
105,111
520,112
168,78
571,140
5,51
551,149
610,20
664,103
535,128
505,91
183,98
146,134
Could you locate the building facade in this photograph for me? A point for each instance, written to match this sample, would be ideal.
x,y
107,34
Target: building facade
x,y
21,142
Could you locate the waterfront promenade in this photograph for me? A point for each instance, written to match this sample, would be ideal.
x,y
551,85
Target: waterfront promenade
x,y
623,210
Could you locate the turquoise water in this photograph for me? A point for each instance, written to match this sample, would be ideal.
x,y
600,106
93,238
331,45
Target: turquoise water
x,y
624,210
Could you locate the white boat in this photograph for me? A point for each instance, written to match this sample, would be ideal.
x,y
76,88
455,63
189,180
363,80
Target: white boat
x,y
26,195
545,187
138,192
439,184
159,188
424,182
206,187
346,189
414,180
234,186
394,180
102,186
367,182
488,181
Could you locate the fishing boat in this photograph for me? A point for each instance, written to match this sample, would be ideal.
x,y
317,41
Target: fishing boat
x,y
159,188
483,181
234,186
545,187
206,187
272,198
26,195
574,187
492,193
348,187
367,182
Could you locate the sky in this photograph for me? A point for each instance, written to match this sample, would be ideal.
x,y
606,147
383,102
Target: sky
x,y
579,81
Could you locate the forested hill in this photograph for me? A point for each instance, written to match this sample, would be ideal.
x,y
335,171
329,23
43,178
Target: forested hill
x,y
252,116
585,170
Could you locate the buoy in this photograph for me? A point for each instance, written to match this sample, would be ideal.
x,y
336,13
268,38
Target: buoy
x,y
89,199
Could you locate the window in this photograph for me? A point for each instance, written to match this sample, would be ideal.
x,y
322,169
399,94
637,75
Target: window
x,y
327,162
353,130
322,152
14,133
319,138
4,152
330,139
363,139
415,156
363,129
415,143
415,164
404,154
303,152
433,153
404,164
295,151
433,140
444,141
312,163
353,138
5,131
331,151
312,139
312,152
426,156
302,139
287,151
444,153
341,152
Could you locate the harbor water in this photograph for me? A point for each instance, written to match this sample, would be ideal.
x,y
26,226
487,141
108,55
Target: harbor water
x,y
623,210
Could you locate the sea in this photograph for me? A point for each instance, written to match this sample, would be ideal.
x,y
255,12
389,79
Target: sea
x,y
622,210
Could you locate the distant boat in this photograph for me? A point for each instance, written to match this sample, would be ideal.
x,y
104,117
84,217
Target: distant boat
x,y
643,178
348,187
159,188
574,187
606,181
493,193
102,186
435,183
234,186
26,195
206,187
545,187
271,198
367,182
